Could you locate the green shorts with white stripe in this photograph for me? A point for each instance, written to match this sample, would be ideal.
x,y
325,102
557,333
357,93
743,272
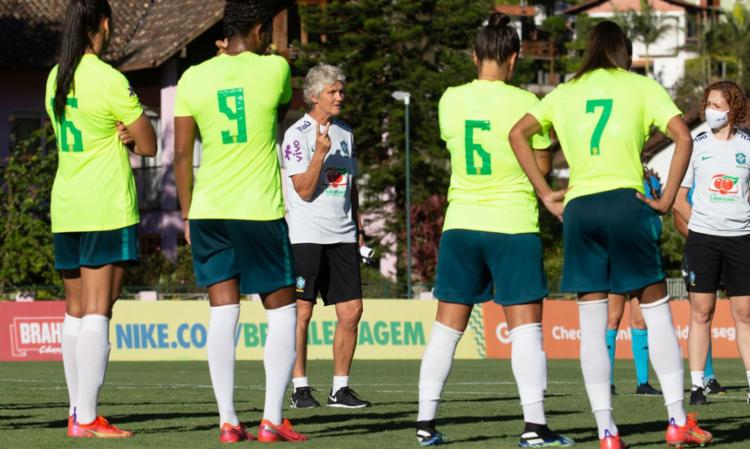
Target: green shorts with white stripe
x,y
96,248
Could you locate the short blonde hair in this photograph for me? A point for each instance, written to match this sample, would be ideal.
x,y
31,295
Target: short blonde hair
x,y
318,77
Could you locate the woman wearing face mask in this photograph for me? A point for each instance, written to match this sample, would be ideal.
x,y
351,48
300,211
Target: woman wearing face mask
x,y
718,239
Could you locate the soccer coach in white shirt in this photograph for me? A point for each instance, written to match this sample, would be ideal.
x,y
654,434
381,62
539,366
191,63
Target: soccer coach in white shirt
x,y
325,230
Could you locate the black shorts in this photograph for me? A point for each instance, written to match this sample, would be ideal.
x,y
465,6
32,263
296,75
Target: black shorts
x,y
332,270
711,261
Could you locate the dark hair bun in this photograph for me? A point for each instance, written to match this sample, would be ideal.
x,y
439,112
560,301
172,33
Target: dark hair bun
x,y
498,19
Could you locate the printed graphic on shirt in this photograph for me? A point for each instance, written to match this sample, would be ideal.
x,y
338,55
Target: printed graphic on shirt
x,y
724,188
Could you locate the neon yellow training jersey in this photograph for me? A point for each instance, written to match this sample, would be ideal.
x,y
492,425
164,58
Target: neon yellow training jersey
x,y
602,121
488,191
234,101
94,188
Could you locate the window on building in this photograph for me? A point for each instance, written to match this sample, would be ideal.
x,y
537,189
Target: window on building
x,y
149,172
23,124
692,29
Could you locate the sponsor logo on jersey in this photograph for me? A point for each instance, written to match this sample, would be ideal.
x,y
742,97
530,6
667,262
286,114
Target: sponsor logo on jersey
x,y
297,150
337,180
706,156
36,335
306,124
724,188
741,158
700,136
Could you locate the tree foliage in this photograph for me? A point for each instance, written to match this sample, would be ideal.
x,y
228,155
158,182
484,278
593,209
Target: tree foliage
x,y
419,46
26,177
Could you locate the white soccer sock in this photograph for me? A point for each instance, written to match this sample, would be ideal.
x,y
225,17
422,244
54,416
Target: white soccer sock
x,y
339,382
278,358
595,362
220,346
299,382
530,370
91,361
436,365
696,379
666,356
71,327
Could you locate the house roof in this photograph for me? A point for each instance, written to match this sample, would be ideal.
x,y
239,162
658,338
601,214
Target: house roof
x,y
516,10
594,3
146,32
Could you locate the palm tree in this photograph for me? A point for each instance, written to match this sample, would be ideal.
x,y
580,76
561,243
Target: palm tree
x,y
646,26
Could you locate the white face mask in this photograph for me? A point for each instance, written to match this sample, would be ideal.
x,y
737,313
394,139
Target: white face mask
x,y
716,119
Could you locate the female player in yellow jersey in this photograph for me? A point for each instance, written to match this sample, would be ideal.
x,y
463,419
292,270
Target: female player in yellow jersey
x,y
602,118
490,248
94,207
236,226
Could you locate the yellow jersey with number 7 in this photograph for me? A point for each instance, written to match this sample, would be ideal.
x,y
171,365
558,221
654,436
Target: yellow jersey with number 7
x,y
94,189
602,121
234,100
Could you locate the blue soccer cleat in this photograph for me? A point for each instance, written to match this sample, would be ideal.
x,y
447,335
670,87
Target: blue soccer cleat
x,y
427,435
536,435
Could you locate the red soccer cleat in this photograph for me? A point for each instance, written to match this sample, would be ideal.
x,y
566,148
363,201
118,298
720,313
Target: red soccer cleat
x,y
688,435
100,428
270,433
612,442
233,434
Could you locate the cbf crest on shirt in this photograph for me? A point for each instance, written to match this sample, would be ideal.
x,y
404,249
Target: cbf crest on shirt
x,y
327,218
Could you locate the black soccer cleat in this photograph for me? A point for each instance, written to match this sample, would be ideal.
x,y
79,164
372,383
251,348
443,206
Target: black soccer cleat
x,y
427,435
346,398
612,390
697,397
647,390
539,435
713,387
303,398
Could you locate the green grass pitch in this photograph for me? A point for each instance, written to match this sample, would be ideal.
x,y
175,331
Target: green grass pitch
x,y
171,405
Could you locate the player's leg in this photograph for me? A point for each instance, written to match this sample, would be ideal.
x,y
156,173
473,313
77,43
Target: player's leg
x,y
102,255
463,280
516,264
215,264
343,290
615,310
70,329
639,346
586,271
302,395
741,315
447,330
702,307
307,268
704,266
265,263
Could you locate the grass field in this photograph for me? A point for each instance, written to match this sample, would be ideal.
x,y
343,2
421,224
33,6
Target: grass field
x,y
171,405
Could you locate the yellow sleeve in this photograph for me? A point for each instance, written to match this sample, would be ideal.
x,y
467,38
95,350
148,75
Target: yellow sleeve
x,y
659,108
540,140
286,82
543,111
122,100
445,118
181,107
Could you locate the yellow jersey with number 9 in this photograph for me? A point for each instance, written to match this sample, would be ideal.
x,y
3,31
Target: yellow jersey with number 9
x,y
94,189
488,190
602,121
234,100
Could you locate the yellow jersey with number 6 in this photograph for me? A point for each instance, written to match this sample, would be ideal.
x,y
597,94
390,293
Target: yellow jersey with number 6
x,y
488,190
234,100
602,121
94,189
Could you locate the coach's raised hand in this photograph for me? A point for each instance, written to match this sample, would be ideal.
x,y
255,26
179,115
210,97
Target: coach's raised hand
x,y
322,141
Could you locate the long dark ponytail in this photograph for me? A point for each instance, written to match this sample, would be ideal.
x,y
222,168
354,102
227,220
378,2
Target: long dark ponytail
x,y
82,19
